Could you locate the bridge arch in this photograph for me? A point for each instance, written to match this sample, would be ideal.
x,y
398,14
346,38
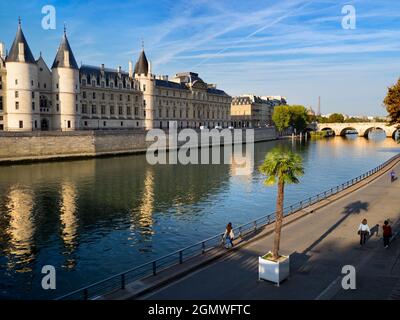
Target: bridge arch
x,y
327,128
368,130
345,129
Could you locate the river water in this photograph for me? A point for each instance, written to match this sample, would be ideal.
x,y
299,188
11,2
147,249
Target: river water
x,y
94,218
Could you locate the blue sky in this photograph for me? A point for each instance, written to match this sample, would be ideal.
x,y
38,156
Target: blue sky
x,y
294,48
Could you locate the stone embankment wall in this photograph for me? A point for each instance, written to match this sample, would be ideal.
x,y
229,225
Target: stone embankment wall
x,y
36,146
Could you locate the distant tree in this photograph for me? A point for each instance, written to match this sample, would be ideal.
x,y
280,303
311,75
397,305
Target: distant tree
x,y
380,119
281,117
353,120
336,118
321,119
392,103
286,116
298,117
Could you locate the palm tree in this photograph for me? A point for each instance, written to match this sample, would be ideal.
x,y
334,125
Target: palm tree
x,y
282,167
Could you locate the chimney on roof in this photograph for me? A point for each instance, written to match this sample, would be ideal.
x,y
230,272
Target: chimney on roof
x,y
119,69
130,69
2,50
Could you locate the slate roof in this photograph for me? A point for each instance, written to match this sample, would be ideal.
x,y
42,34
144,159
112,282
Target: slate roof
x,y
170,84
96,73
59,59
217,91
13,55
142,65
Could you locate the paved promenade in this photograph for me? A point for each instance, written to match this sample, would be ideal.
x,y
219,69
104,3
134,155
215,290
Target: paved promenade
x,y
320,243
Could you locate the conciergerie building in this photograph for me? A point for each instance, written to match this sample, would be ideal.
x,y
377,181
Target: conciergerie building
x,y
67,97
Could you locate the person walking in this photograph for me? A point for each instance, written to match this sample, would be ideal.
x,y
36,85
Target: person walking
x,y
392,176
387,233
229,235
363,231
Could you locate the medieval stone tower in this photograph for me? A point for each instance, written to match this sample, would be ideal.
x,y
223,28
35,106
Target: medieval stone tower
x,y
22,86
65,88
147,86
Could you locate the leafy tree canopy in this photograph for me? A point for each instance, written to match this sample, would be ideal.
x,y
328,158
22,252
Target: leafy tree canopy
x,y
336,118
286,116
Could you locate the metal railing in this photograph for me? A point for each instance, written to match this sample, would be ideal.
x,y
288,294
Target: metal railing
x,y
152,268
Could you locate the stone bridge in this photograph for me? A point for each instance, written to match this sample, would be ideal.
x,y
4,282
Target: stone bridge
x,y
362,128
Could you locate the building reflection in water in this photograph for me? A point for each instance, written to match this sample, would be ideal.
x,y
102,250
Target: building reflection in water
x,y
142,217
242,161
69,221
21,228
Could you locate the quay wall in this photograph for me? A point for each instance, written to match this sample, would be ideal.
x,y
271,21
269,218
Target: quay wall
x,y
55,145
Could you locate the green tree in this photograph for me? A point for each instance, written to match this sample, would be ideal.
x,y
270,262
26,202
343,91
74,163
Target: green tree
x,y
392,103
336,118
281,167
281,117
321,119
298,117
286,116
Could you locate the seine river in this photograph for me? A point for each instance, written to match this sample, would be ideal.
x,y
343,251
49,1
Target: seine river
x,y
94,218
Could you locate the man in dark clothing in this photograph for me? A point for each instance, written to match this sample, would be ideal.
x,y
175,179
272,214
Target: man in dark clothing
x,y
387,233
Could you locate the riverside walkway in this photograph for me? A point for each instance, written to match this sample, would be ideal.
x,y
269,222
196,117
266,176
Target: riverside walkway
x,y
321,242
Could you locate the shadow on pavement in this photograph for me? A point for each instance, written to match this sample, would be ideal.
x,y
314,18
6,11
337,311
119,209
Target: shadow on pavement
x,y
353,208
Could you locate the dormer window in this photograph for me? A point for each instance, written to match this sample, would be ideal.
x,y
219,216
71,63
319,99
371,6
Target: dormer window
x,y
112,84
84,82
93,83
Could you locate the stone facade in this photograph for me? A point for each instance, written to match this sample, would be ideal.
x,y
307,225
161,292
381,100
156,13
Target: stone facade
x,y
66,97
250,111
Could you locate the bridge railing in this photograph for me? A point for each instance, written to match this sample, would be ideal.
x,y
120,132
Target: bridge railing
x,y
152,268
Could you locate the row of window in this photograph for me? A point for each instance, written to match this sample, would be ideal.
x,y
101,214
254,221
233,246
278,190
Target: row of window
x,y
185,113
111,109
17,105
32,83
196,95
103,96
103,84
85,123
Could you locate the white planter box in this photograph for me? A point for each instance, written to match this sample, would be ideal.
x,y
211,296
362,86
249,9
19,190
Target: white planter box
x,y
274,271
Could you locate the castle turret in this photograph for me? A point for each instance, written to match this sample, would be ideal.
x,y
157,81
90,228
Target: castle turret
x,y
147,86
22,86
66,89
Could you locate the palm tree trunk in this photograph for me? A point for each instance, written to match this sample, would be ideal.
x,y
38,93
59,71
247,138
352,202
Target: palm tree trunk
x,y
278,219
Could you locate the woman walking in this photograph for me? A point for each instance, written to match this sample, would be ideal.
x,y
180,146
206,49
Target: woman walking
x,y
363,231
228,235
387,233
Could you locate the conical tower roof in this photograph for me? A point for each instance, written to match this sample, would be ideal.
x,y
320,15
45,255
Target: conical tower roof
x,y
13,55
59,61
142,65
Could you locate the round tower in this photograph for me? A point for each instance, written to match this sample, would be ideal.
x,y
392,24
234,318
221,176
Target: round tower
x,y
66,89
147,86
22,91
